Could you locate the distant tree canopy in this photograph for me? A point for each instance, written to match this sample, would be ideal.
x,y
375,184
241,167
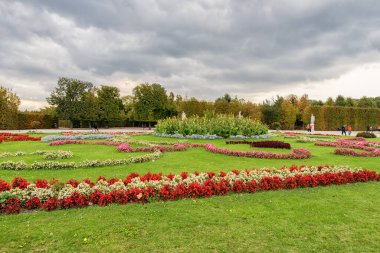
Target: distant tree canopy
x,y
78,100
70,97
82,102
9,103
150,103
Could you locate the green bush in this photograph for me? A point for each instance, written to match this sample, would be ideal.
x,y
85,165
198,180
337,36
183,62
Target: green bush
x,y
221,125
366,135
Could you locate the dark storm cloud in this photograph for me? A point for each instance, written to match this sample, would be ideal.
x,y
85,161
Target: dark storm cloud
x,y
188,46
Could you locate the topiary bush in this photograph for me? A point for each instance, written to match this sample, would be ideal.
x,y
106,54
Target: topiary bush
x,y
366,135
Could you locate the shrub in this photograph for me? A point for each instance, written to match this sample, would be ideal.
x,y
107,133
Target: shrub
x,y
220,125
270,144
366,135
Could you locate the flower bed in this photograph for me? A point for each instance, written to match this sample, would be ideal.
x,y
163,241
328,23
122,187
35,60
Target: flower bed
x,y
50,138
47,154
23,195
125,147
346,147
21,165
17,137
263,144
298,153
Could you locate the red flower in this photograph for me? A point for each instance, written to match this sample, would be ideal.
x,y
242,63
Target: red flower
x,y
194,190
33,203
12,206
238,186
105,200
4,186
251,186
41,183
223,186
73,182
20,182
51,204
95,196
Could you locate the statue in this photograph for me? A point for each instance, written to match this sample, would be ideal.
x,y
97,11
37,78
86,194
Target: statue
x,y
183,116
312,120
239,116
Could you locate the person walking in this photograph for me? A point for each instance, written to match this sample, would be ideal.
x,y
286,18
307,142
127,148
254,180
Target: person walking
x,y
96,127
344,130
349,130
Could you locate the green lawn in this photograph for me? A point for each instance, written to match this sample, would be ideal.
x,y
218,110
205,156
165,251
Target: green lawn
x,y
323,219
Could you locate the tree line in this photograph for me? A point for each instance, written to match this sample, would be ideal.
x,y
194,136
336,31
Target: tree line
x,y
83,103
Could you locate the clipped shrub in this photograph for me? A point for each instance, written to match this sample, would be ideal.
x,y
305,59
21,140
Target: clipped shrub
x,y
366,135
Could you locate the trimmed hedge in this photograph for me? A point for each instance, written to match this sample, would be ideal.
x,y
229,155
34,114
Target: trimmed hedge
x,y
333,117
30,120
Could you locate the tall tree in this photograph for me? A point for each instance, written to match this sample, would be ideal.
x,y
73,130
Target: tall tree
x,y
151,102
340,101
91,109
367,102
110,103
288,115
9,103
69,98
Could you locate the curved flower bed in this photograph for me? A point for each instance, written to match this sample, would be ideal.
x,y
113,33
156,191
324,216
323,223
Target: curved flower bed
x,y
298,153
50,138
50,165
22,195
263,144
65,142
125,147
17,137
346,147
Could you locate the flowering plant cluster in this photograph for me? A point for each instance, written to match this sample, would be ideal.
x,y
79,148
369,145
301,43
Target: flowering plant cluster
x,y
135,188
298,153
21,165
263,144
65,142
50,138
346,147
262,136
71,133
125,147
59,154
47,154
193,136
17,137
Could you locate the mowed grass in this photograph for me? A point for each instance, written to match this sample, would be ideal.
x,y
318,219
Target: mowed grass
x,y
323,219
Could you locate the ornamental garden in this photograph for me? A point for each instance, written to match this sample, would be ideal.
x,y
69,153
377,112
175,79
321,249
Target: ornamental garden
x,y
225,181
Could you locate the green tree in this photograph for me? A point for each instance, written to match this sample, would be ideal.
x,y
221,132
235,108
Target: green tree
x,y
340,101
288,115
91,109
69,97
110,104
9,103
330,101
151,103
367,102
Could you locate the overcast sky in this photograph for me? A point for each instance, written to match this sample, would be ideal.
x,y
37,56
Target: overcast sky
x,y
202,48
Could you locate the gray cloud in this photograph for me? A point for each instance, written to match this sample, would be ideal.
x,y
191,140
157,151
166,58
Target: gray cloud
x,y
196,48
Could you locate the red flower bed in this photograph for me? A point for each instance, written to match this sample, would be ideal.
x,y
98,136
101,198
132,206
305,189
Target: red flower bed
x,y
263,144
347,147
150,187
17,137
298,153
